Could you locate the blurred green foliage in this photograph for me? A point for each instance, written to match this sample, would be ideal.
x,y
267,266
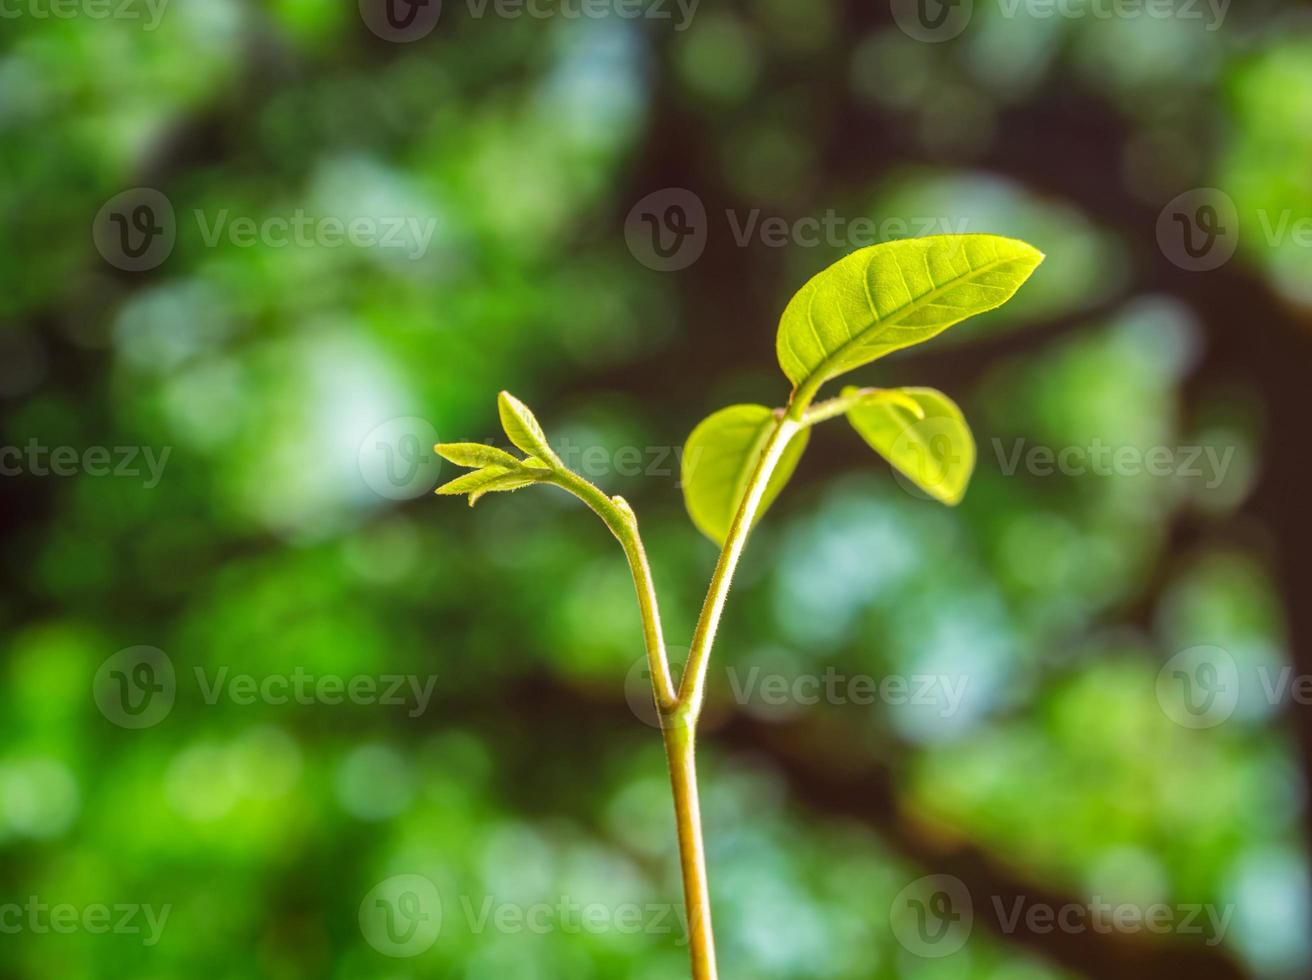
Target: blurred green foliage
x,y
265,550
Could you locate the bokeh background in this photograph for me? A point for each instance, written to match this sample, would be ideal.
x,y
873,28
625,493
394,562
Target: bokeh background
x,y
1132,728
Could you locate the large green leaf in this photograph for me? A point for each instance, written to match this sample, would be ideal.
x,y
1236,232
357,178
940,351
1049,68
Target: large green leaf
x,y
718,461
923,434
885,297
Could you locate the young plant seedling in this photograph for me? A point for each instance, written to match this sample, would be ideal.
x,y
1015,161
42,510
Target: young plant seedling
x,y
873,302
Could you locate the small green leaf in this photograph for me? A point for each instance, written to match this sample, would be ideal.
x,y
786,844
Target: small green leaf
x,y
935,451
894,395
473,454
885,297
469,482
523,429
493,478
718,461
508,481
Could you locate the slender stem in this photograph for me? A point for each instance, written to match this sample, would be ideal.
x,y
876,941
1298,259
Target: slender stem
x,y
680,751
679,732
619,517
692,690
679,712
833,407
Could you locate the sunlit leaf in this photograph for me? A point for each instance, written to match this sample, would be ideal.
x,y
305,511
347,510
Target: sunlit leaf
x,y
490,479
473,454
522,428
718,461
923,434
885,297
508,481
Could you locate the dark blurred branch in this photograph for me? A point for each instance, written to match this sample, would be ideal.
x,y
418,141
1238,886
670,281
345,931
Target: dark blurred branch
x,y
809,755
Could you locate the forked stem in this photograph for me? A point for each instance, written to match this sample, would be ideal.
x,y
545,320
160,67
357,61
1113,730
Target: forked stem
x,y
680,711
692,689
681,731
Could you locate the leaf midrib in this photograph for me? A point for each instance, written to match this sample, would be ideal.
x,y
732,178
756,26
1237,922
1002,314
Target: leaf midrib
x,y
893,319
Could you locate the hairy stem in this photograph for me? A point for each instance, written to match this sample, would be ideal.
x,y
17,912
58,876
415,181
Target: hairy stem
x,y
680,751
834,407
619,517
679,711
692,690
681,731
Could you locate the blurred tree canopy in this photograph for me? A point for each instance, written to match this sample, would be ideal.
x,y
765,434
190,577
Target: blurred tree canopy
x,y
256,375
